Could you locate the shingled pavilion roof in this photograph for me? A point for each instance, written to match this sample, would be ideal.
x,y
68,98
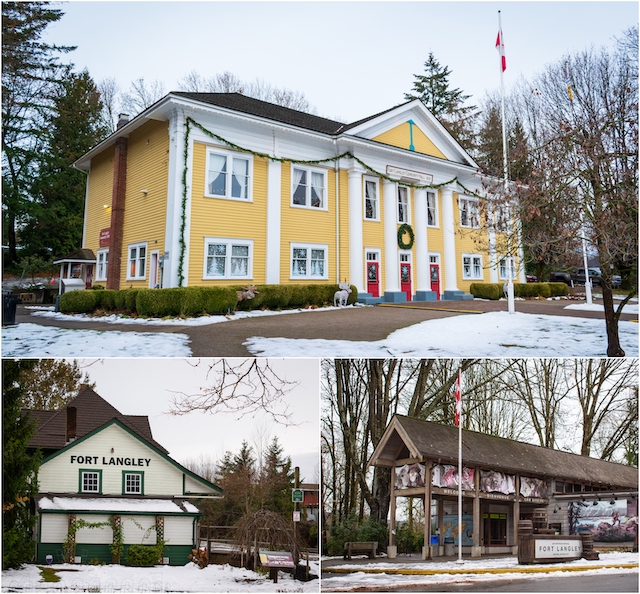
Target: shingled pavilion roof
x,y
407,437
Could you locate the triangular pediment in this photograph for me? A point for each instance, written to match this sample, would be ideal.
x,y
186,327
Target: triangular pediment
x,y
412,127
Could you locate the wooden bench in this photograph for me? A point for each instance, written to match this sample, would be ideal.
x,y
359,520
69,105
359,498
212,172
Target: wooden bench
x,y
369,548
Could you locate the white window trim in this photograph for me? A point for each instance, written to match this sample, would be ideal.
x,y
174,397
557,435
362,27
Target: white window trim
x,y
472,276
437,214
506,260
408,221
309,246
376,181
137,277
105,253
310,170
229,155
469,201
229,242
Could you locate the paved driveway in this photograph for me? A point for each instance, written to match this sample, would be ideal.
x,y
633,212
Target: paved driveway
x,y
354,324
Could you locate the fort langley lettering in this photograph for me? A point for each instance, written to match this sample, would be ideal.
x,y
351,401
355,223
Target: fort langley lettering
x,y
111,461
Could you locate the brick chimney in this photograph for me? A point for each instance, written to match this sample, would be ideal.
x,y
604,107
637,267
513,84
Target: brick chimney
x,y
72,417
117,207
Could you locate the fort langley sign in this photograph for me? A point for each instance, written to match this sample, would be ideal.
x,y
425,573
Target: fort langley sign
x,y
111,461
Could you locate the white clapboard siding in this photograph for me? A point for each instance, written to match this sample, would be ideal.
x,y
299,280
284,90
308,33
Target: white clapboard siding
x,y
54,528
102,535
178,531
133,534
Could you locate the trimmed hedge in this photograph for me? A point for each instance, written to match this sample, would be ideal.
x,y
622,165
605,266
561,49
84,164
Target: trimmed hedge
x,y
495,291
194,301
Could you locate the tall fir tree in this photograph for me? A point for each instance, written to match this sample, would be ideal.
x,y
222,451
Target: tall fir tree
x,y
277,479
19,469
55,214
30,73
445,103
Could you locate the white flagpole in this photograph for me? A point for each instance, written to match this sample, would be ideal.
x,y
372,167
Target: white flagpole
x,y
508,268
460,472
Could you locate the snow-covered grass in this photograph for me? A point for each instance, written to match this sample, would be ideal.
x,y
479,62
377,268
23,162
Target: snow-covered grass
x,y
118,578
496,334
502,568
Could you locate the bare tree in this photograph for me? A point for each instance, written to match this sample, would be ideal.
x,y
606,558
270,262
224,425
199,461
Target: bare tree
x,y
241,387
141,95
109,94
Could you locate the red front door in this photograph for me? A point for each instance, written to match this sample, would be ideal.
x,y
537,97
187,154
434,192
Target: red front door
x,y
373,279
435,279
405,279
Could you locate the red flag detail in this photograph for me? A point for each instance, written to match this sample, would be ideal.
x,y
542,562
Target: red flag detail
x,y
500,48
458,400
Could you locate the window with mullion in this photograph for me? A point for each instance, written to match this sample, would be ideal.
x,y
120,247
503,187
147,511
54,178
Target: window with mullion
x,y
308,188
132,483
228,258
403,204
228,176
309,261
371,200
137,261
432,210
90,481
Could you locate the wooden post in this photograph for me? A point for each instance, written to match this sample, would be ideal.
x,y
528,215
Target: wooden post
x,y
426,551
392,550
516,516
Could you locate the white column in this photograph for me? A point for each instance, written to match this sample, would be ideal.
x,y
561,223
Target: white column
x,y
356,253
450,257
391,267
422,247
274,208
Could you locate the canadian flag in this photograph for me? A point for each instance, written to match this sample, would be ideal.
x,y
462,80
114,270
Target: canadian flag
x,y
500,48
458,400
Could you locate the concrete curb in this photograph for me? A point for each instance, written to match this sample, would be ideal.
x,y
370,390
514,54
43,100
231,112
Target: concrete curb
x,y
497,571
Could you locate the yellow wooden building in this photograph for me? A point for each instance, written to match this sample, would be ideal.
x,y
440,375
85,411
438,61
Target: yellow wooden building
x,y
219,188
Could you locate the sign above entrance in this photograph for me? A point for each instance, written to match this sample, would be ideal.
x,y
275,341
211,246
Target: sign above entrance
x,y
408,174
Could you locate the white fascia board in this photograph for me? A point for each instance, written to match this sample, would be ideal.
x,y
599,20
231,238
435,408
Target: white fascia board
x,y
414,110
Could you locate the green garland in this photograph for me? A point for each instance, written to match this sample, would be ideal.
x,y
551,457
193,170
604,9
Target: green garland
x,y
405,228
346,155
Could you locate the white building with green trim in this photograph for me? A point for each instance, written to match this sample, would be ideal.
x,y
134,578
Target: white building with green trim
x,y
105,484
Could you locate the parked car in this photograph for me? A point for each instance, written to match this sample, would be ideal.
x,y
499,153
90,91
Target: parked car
x,y
560,277
578,277
532,278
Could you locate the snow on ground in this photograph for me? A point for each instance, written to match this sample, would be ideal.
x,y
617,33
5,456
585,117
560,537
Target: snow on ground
x,y
497,334
628,309
117,578
361,581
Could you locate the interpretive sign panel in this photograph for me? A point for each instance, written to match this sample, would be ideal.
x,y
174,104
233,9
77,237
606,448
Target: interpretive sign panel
x,y
276,559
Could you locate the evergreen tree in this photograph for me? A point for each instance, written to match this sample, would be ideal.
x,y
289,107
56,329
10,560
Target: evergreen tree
x,y
445,103
277,479
55,218
30,71
19,468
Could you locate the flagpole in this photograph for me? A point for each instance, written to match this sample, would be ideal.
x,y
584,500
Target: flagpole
x,y
505,165
459,405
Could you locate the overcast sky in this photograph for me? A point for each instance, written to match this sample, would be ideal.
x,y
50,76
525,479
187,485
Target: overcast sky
x,y
350,59
146,387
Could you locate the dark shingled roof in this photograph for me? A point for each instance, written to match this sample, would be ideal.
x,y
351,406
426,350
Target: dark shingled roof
x,y
80,255
407,437
269,111
93,411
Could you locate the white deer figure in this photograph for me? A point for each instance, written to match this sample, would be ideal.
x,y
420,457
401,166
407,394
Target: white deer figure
x,y
340,297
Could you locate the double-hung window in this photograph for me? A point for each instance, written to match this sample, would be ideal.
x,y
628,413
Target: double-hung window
x,y
403,204
371,200
472,267
507,267
469,213
136,268
228,175
432,210
228,258
308,187
132,483
102,265
309,261
90,481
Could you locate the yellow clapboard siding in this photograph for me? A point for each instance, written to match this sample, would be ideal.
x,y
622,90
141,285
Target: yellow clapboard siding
x,y
145,215
400,137
307,225
234,219
100,184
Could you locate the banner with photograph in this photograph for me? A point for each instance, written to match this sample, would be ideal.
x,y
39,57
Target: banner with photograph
x,y
610,520
492,481
533,487
446,475
410,475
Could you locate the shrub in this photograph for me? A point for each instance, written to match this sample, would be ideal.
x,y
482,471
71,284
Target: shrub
x,y
218,300
144,555
409,539
158,302
82,301
487,290
107,299
352,531
531,290
558,289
